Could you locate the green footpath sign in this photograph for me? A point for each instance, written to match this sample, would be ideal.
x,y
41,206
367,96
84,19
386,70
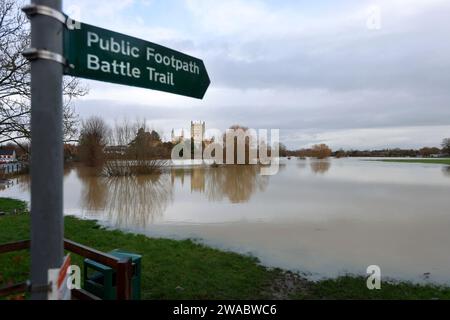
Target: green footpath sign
x,y
99,54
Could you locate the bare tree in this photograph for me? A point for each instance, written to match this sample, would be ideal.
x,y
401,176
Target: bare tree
x,y
134,150
125,131
15,90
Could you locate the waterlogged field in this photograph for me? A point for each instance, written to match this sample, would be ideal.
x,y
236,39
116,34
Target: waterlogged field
x,y
324,218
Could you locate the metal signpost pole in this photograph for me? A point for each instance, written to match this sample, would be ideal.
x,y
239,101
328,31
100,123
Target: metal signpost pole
x,y
47,228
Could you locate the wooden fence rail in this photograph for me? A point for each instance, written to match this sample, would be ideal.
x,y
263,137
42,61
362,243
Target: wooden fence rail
x,y
123,269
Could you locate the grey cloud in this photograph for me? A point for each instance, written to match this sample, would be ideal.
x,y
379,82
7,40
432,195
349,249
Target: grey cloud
x,y
409,56
372,110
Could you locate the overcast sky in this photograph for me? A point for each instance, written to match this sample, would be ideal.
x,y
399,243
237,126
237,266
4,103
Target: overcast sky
x,y
321,71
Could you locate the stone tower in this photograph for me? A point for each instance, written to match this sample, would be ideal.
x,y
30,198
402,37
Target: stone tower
x,y
198,131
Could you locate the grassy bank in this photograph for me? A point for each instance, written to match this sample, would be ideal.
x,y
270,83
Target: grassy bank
x,y
429,161
185,270
11,206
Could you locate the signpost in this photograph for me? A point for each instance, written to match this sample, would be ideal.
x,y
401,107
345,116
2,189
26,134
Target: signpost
x,y
99,54
60,46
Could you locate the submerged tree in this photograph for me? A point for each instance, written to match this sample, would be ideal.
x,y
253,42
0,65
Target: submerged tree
x,y
321,151
239,144
134,150
93,140
15,90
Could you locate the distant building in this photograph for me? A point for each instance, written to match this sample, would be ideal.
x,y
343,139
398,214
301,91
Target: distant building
x,y
440,155
198,131
7,155
177,139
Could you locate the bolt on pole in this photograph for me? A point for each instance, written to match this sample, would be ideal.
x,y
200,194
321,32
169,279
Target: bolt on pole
x,y
47,225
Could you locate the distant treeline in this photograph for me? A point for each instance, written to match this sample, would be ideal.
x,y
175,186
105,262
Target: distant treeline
x,y
319,151
423,152
397,152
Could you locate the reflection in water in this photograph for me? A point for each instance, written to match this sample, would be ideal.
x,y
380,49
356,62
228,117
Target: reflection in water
x,y
301,164
67,169
94,193
23,182
446,171
320,166
235,182
137,200
127,201
198,180
5,184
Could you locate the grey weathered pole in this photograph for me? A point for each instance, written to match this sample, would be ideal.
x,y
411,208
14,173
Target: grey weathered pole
x,y
47,226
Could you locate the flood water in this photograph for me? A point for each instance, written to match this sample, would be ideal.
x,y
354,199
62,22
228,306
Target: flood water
x,y
325,218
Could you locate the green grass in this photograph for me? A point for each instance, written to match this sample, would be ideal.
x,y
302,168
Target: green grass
x,y
186,270
9,206
352,288
430,161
